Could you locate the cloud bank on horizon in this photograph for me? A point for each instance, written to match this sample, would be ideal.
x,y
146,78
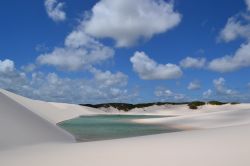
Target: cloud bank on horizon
x,y
85,66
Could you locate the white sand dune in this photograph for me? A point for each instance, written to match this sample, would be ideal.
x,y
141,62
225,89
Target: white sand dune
x,y
19,126
212,147
30,137
207,116
205,120
53,112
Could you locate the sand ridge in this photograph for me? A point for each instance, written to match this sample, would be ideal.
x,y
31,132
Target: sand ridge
x,y
19,126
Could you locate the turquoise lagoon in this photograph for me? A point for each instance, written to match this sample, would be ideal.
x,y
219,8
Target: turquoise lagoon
x,y
104,127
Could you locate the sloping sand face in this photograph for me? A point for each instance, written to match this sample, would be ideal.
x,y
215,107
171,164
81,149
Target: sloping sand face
x,y
52,112
20,127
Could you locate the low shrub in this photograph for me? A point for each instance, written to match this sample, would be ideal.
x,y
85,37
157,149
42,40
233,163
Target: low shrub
x,y
193,107
216,103
234,103
196,104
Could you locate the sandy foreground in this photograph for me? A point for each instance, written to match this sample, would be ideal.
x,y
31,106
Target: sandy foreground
x,y
30,137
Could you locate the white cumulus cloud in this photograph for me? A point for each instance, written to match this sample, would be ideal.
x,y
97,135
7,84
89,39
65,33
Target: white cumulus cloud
x,y
6,66
207,94
221,88
55,10
238,26
29,67
75,59
104,86
167,95
230,63
194,85
235,28
127,21
109,79
79,51
148,69
190,62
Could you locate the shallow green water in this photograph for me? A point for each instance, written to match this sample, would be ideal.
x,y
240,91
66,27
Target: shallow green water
x,y
103,127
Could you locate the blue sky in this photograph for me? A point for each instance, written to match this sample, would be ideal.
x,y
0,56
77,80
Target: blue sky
x,y
126,51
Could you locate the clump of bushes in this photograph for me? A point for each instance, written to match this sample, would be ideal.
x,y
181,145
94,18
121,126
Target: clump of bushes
x,y
193,107
127,107
216,103
196,104
120,106
234,103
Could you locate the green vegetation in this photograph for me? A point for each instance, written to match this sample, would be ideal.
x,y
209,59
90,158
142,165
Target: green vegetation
x,y
127,107
216,103
234,103
221,103
196,104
